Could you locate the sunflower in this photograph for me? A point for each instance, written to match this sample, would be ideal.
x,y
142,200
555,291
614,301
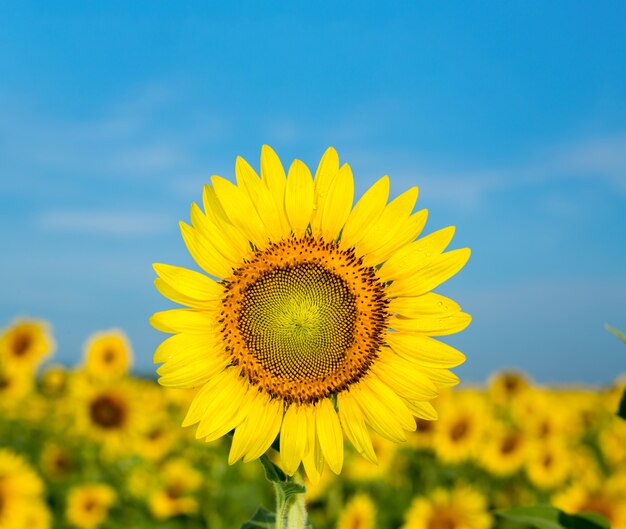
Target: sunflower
x,y
607,499
504,451
178,481
57,461
549,463
359,513
458,508
108,413
21,490
505,386
88,505
108,355
25,344
315,318
461,429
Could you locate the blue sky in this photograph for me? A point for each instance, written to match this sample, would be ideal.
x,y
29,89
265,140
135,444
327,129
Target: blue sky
x,y
510,117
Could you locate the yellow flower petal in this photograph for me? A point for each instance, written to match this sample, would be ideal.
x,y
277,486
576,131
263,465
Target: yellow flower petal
x,y
383,230
441,268
240,210
424,350
414,257
335,208
402,235
429,304
324,176
353,423
184,320
313,459
404,378
204,253
299,197
293,437
366,211
189,282
432,326
224,238
273,174
329,434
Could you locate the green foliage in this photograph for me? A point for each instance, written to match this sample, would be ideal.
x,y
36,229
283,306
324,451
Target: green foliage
x,y
547,517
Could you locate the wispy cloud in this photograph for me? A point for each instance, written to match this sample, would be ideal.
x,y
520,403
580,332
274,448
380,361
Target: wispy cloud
x,y
116,223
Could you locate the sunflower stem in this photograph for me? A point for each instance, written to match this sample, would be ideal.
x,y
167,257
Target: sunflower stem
x,y
290,507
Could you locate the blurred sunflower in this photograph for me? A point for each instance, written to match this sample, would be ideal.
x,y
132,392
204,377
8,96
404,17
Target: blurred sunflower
x,y
607,499
504,451
56,461
316,317
461,428
88,505
108,413
458,508
25,344
21,491
174,496
108,354
358,513
549,464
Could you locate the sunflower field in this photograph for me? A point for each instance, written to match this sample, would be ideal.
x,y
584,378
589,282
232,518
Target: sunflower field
x,y
92,446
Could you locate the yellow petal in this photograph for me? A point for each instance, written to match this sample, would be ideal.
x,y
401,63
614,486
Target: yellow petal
x,y
174,295
205,395
424,350
187,345
432,326
324,175
225,238
299,197
384,411
293,437
366,211
353,423
273,174
263,201
225,410
441,377
184,320
267,429
402,235
189,282
335,208
214,210
404,378
422,409
329,434
313,460
413,257
240,210
429,304
204,253
440,269
383,230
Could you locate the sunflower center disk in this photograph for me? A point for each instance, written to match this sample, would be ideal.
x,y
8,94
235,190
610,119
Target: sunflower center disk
x,y
304,319
299,321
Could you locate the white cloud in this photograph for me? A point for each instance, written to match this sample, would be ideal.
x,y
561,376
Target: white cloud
x,y
117,223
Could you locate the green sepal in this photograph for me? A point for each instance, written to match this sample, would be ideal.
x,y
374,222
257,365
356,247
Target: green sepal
x,y
262,518
273,472
547,517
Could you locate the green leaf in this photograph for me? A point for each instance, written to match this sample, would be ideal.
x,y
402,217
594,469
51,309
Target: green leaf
x,y
262,518
619,334
272,472
291,489
547,517
587,520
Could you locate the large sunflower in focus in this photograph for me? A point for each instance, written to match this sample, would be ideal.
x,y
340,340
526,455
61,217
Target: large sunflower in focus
x,y
316,316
